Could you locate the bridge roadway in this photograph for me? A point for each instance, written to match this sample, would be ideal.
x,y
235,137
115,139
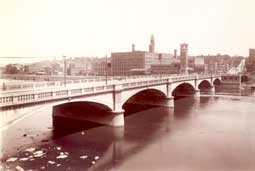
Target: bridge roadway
x,y
111,97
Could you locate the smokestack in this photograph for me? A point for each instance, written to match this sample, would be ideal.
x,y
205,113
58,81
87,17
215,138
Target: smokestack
x,y
175,53
133,47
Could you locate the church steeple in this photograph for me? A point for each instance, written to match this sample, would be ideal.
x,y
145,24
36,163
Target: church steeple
x,y
152,44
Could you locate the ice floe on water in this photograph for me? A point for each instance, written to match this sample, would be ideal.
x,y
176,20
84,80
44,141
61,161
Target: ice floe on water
x,y
19,168
58,148
83,157
93,162
23,159
62,156
12,159
38,154
51,162
58,165
96,158
30,149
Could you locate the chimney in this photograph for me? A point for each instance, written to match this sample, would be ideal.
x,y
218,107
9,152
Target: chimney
x,y
175,53
133,47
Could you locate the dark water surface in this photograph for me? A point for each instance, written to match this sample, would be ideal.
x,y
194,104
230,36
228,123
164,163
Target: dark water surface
x,y
206,133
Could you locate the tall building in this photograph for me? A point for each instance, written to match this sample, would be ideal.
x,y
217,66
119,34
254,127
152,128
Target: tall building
x,y
184,58
250,61
251,53
128,63
152,45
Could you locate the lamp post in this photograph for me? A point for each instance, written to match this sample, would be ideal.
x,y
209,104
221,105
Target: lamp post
x,y
106,70
160,58
64,70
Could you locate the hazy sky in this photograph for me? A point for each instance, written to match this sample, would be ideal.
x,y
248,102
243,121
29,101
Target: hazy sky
x,y
99,27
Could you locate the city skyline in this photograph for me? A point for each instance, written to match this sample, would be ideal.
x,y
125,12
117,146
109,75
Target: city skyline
x,y
79,28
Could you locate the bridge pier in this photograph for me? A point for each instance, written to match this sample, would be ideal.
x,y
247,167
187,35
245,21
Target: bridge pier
x,y
212,90
197,93
118,118
169,101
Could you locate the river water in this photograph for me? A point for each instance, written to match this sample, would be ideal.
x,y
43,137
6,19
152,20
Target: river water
x,y
207,133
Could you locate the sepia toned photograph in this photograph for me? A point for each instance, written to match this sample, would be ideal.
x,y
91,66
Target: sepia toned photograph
x,y
127,85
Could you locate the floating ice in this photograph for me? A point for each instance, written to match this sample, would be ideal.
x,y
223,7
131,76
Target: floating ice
x,y
96,158
82,133
38,153
58,165
58,148
84,157
30,149
12,159
51,162
23,159
42,167
19,168
93,162
61,156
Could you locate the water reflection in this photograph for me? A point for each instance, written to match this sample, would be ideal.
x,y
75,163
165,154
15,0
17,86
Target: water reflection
x,y
84,141
190,136
184,106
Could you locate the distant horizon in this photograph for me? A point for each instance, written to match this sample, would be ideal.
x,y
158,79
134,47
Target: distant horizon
x,y
95,56
26,60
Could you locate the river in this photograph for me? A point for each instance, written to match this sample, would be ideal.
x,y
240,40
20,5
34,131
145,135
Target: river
x,y
207,133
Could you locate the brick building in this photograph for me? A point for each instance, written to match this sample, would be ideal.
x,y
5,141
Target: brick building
x,y
123,63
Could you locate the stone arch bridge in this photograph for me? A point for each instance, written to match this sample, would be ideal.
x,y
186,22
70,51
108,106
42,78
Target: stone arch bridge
x,y
75,103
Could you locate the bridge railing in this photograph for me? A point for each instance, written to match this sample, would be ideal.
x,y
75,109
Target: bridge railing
x,y
8,86
23,97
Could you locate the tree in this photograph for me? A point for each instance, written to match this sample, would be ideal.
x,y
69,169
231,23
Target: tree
x,y
11,69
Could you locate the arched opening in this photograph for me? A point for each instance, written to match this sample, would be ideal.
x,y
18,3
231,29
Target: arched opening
x,y
244,78
184,89
204,86
77,116
143,100
217,84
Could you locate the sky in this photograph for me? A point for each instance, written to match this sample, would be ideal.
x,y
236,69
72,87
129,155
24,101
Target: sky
x,y
43,28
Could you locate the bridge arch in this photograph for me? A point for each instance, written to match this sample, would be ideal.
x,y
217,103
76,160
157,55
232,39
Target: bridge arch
x,y
205,84
183,89
244,78
216,81
145,97
140,93
66,115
